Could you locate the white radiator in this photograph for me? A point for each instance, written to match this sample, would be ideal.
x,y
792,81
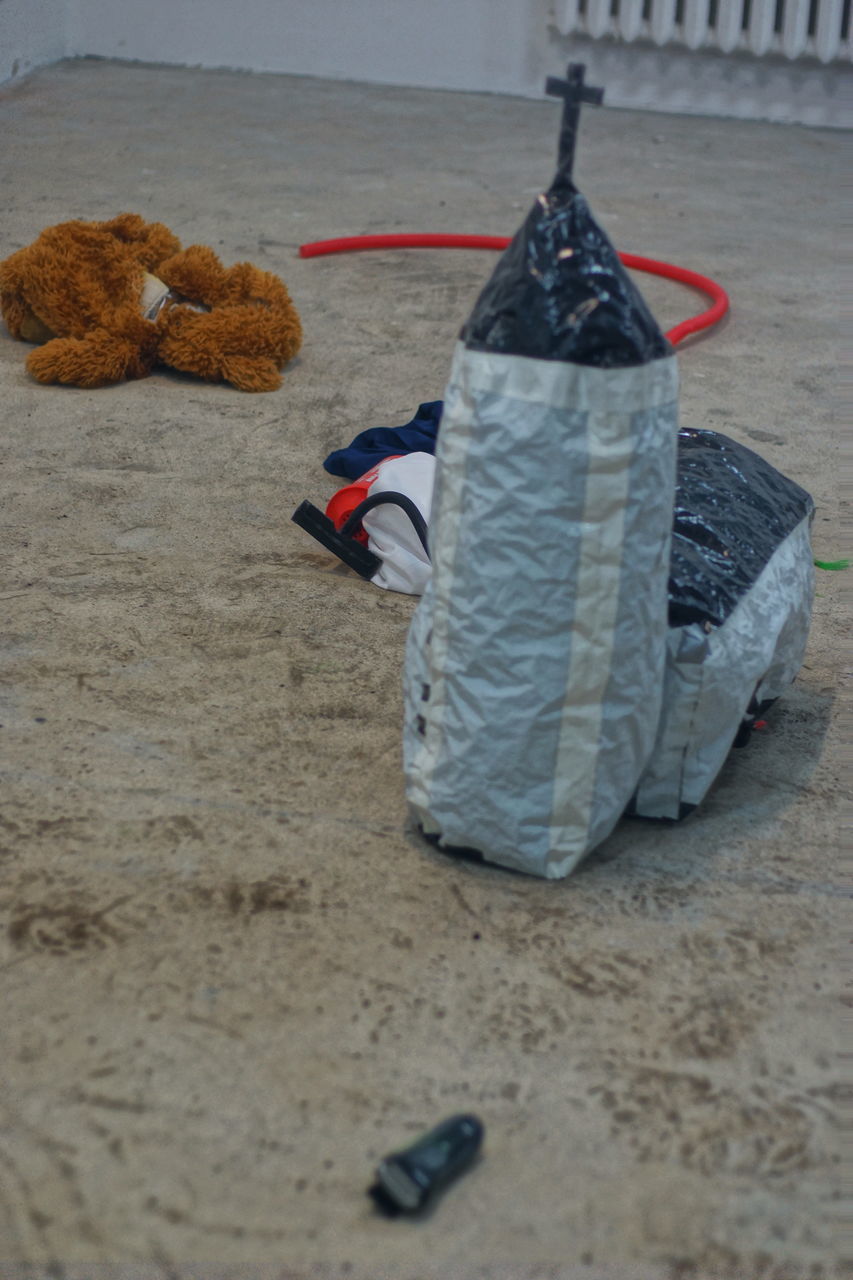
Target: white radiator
x,y
794,29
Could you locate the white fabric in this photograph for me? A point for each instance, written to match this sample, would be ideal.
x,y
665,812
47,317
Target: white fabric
x,y
405,564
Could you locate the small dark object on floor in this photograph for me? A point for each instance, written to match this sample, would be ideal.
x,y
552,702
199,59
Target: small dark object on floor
x,y
353,554
408,1179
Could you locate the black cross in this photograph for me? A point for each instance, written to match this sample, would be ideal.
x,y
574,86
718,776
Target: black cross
x,y
573,91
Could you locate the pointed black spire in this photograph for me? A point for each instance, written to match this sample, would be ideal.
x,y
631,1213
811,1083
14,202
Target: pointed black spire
x,y
559,291
573,91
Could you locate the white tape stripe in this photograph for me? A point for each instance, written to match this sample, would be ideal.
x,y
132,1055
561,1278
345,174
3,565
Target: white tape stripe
x,y
572,386
454,441
610,443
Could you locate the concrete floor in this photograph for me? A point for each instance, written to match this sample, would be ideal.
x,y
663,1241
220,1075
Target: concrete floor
x,y
233,977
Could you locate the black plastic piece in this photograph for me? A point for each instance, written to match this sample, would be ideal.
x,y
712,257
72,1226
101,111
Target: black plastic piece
x,y
573,91
407,1180
354,554
559,292
732,510
401,500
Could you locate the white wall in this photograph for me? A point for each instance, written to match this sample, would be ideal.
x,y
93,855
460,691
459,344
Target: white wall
x,y
32,32
450,44
505,46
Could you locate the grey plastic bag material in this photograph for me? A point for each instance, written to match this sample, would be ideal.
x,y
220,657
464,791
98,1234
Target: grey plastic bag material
x,y
713,673
740,597
534,664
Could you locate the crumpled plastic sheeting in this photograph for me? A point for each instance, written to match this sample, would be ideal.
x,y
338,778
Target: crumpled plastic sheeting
x,y
732,510
559,292
740,597
714,672
534,662
741,566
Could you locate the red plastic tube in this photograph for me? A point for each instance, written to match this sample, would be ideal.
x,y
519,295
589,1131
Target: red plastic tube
x,y
694,324
349,244
716,292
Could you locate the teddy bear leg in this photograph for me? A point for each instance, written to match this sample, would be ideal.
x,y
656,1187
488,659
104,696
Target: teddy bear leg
x,y
251,373
195,272
243,345
192,351
248,286
97,360
244,282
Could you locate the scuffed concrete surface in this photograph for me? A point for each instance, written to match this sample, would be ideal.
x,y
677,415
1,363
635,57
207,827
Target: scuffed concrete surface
x,y
232,977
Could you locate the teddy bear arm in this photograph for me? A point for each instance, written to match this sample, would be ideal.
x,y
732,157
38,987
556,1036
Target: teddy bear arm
x,y
13,303
15,312
98,359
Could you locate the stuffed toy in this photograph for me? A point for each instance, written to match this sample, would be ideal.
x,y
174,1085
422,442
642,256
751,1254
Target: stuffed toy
x,y
111,300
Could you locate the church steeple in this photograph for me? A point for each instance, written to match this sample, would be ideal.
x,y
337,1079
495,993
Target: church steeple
x,y
559,291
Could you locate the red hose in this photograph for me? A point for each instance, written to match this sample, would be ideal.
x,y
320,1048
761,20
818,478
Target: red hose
x,y
350,243
694,324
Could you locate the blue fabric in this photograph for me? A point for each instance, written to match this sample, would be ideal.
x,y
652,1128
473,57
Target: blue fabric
x,y
376,443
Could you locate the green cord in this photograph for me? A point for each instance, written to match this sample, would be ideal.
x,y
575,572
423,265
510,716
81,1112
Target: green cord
x,y
832,564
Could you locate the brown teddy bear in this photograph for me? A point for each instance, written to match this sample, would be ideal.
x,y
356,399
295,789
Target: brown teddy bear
x,y
110,300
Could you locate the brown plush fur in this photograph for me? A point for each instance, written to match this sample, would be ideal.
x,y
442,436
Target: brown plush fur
x,y
79,285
